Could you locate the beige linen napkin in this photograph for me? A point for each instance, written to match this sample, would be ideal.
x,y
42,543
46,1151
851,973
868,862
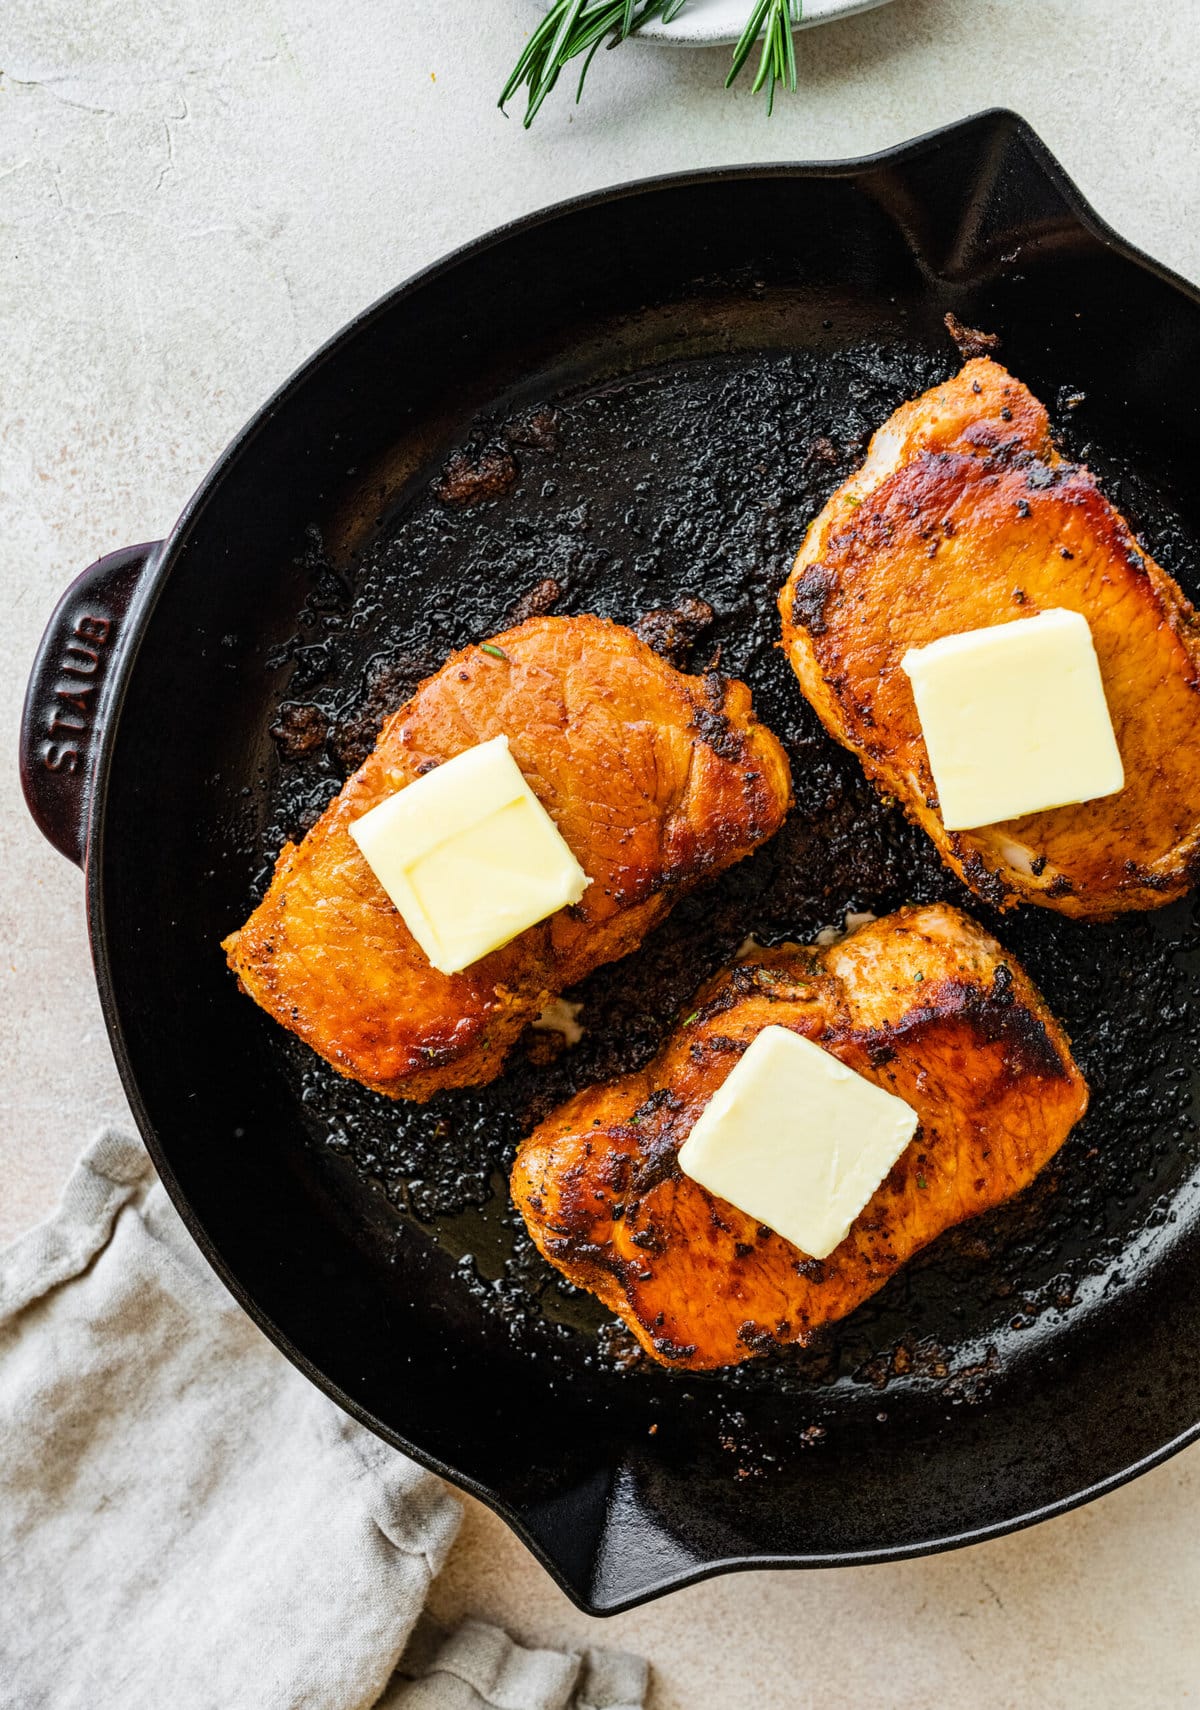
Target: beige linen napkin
x,y
187,1524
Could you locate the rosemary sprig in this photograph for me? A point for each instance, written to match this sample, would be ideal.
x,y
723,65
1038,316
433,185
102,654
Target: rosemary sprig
x,y
773,20
571,28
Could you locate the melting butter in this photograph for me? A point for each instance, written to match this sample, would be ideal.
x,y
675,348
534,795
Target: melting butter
x,y
469,856
797,1140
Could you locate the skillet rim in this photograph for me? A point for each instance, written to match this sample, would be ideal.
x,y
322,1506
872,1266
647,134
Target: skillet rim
x,y
998,121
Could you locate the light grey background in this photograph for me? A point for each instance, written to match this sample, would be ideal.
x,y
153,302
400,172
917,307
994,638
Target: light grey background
x,y
192,196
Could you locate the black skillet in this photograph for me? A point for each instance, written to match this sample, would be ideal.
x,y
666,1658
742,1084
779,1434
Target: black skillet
x,y
638,396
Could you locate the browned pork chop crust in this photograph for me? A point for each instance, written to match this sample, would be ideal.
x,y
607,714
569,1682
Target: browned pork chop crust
x,y
925,1004
964,516
656,780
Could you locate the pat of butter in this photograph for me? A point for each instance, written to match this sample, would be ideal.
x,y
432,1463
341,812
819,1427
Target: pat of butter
x,y
469,856
796,1140
1014,719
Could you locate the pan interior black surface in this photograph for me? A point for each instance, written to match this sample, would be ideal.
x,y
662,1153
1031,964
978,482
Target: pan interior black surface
x,y
705,364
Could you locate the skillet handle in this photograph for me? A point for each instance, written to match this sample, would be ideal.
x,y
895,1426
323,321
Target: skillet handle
x,y
66,703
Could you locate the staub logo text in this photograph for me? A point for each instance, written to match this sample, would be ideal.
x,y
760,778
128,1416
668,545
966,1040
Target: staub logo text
x,y
72,706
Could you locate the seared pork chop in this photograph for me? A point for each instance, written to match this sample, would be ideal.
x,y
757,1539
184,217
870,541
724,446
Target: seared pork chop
x,y
964,516
656,781
925,1004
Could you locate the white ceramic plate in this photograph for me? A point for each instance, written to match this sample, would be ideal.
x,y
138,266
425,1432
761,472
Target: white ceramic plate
x,y
706,23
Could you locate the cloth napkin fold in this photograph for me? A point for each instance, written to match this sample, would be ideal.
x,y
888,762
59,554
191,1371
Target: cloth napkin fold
x,y
185,1521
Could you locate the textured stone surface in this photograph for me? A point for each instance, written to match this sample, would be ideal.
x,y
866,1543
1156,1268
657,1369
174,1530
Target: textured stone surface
x,y
191,198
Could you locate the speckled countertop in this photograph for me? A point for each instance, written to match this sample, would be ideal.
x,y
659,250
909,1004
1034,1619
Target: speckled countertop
x,y
192,198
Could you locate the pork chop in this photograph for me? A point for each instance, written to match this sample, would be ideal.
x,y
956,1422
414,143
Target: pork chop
x,y
964,516
656,780
925,1004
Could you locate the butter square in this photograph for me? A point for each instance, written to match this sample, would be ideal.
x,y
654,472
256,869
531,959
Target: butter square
x,y
797,1140
469,856
1014,719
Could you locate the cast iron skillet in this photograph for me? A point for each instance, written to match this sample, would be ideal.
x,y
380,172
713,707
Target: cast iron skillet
x,y
646,393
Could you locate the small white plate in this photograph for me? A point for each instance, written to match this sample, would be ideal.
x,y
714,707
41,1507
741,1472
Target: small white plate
x,y
709,23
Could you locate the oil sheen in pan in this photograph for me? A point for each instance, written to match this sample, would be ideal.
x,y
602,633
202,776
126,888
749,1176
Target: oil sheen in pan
x,y
697,481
